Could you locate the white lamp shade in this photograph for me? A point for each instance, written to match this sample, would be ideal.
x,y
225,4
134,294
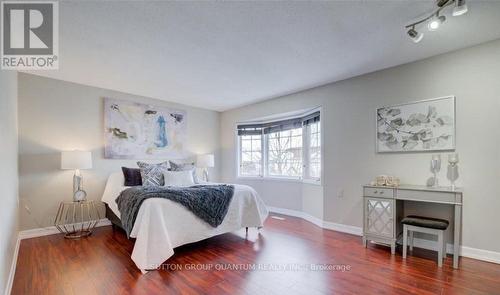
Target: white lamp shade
x,y
73,160
205,161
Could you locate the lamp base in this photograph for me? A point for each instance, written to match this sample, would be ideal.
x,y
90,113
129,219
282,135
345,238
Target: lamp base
x,y
205,174
78,193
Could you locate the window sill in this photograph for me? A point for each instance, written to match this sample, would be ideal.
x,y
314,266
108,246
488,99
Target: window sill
x,y
281,179
312,182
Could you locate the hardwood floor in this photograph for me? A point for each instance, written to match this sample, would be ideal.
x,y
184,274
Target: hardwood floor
x,y
101,264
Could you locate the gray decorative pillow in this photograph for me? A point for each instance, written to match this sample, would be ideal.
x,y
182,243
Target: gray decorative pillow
x,y
152,174
184,167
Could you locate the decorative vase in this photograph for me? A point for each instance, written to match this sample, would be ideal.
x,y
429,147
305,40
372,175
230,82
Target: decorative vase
x,y
435,168
453,169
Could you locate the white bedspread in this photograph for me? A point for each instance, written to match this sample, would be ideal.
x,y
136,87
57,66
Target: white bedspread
x,y
162,225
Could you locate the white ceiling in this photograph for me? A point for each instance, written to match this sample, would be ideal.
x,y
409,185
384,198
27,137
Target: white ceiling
x,y
221,55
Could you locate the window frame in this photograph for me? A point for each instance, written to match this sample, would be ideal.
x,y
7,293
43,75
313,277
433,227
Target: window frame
x,y
307,152
264,169
240,152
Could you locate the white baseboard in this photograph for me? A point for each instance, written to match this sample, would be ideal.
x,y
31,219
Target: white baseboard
x,y
349,229
312,219
353,230
479,254
474,253
51,230
284,211
299,214
10,280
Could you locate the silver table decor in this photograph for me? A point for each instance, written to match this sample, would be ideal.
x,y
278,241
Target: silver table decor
x,y
77,219
435,168
453,169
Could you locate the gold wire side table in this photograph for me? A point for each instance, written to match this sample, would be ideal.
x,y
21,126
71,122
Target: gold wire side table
x,y
77,219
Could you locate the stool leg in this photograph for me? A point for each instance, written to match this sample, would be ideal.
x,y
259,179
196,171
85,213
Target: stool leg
x,y
411,240
444,248
405,240
440,248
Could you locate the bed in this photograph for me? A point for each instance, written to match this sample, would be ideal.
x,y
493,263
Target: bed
x,y
162,225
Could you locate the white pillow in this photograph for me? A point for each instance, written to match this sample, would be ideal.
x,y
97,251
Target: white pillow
x,y
178,178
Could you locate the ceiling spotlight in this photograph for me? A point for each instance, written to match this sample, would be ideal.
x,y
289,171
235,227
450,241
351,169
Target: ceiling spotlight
x,y
435,22
460,8
415,36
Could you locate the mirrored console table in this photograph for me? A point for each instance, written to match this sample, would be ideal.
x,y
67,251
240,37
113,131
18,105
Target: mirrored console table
x,y
383,211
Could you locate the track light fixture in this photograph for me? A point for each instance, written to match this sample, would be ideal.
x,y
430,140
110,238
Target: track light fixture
x,y
460,8
436,19
414,35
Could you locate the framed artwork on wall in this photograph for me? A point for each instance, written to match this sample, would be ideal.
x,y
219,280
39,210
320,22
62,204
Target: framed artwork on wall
x,y
427,125
139,131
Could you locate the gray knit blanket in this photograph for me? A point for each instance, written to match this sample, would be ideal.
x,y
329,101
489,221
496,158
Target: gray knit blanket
x,y
208,202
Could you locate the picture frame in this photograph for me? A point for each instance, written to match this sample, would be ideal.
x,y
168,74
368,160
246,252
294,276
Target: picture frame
x,y
420,126
139,131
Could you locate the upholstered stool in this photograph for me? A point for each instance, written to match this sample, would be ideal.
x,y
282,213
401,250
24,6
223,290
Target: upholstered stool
x,y
426,225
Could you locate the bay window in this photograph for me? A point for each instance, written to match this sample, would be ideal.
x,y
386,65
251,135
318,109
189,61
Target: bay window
x,y
281,149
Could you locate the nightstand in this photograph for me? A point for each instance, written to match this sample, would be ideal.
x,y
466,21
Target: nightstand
x,y
77,219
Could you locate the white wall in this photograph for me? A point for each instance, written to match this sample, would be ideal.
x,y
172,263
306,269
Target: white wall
x,y
8,173
350,159
55,115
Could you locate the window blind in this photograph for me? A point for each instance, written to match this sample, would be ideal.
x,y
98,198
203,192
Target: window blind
x,y
284,125
250,129
277,126
311,118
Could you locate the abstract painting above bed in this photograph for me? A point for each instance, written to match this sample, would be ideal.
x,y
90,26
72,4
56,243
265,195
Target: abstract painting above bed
x,y
140,131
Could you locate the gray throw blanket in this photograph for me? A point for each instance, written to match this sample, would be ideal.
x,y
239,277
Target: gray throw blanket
x,y
209,202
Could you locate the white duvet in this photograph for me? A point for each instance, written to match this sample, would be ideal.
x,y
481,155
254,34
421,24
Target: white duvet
x,y
162,225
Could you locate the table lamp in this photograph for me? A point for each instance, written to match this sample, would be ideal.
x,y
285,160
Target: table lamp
x,y
205,162
77,160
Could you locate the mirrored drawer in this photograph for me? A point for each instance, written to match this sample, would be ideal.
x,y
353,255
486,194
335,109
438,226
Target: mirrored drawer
x,y
379,192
